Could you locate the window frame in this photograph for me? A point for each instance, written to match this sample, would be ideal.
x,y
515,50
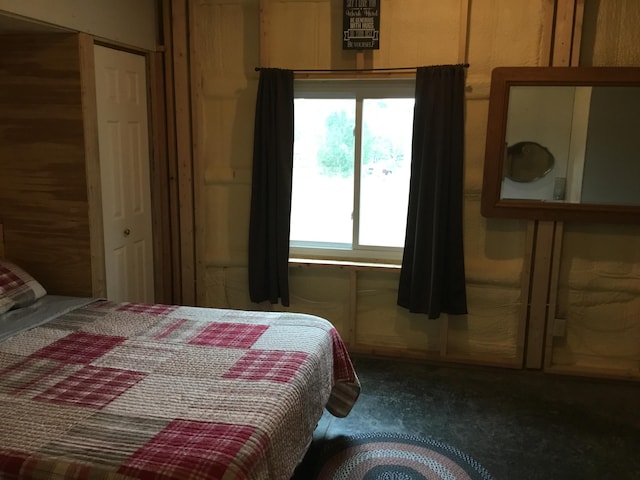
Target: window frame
x,y
358,90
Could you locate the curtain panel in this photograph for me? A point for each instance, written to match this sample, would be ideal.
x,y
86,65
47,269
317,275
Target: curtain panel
x,y
432,278
271,188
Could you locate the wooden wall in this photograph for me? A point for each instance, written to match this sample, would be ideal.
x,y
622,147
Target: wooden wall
x,y
43,192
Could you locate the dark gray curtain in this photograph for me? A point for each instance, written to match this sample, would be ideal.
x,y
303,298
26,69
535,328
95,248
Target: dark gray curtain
x,y
271,188
432,279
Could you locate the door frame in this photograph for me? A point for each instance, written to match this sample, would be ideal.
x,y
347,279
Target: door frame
x,y
160,176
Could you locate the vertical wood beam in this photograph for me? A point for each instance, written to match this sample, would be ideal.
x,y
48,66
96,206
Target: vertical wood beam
x,y
172,160
182,99
353,308
548,235
554,275
566,52
567,32
463,36
539,292
546,41
443,325
264,33
463,44
92,163
199,210
578,19
160,188
525,287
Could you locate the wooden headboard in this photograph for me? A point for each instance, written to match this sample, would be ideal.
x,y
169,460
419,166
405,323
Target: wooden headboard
x,y
1,240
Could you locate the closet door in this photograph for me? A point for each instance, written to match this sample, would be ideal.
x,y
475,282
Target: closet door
x,y
121,91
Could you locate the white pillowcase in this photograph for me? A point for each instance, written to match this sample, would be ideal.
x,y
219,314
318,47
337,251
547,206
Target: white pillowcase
x,y
17,288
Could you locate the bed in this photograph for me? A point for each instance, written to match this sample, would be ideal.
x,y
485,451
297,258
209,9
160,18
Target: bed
x,y
101,390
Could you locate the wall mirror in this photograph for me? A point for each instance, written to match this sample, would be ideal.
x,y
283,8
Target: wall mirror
x,y
563,143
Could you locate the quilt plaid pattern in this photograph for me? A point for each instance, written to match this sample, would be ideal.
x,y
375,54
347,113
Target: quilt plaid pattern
x,y
79,347
117,391
91,387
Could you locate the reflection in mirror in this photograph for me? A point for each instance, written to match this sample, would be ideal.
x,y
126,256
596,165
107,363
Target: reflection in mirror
x,y
591,132
563,143
612,151
527,161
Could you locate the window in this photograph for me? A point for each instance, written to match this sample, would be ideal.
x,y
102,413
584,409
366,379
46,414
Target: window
x,y
351,168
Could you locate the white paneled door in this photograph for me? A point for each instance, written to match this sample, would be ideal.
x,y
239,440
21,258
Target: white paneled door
x,y
121,89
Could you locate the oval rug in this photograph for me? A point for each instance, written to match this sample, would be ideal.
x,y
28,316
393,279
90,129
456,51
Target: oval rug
x,y
387,456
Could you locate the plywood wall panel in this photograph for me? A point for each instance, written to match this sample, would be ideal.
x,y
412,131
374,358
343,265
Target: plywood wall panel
x,y
43,188
44,251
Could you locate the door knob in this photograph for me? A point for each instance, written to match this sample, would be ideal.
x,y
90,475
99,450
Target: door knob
x,y
126,232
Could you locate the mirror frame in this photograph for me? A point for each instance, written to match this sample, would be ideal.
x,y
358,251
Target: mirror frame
x,y
502,78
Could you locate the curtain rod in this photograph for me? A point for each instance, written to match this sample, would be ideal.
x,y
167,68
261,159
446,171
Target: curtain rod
x,y
331,70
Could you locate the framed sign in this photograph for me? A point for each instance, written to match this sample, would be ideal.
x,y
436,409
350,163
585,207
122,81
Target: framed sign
x,y
361,24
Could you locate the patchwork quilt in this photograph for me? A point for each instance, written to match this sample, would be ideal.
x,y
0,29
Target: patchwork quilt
x,y
117,391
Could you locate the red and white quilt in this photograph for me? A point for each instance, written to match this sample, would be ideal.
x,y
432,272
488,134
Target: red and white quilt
x,y
116,391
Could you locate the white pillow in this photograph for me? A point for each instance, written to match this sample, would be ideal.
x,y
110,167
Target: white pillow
x,y
17,288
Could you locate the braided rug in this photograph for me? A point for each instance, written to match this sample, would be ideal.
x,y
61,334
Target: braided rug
x,y
385,456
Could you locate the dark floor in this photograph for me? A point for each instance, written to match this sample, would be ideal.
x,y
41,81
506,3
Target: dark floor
x,y
520,425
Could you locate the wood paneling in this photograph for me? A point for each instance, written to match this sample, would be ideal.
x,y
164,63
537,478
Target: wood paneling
x,y
173,211
184,146
161,184
178,80
92,163
43,184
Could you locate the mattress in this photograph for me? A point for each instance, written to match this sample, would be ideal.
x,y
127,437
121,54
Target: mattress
x,y
103,390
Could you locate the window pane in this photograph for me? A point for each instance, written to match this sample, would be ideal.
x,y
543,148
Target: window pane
x,y
386,166
323,160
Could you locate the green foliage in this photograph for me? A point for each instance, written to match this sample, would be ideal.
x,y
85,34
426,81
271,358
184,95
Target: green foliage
x,y
336,155
377,148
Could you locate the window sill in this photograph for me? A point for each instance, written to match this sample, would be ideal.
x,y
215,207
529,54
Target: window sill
x,y
346,264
